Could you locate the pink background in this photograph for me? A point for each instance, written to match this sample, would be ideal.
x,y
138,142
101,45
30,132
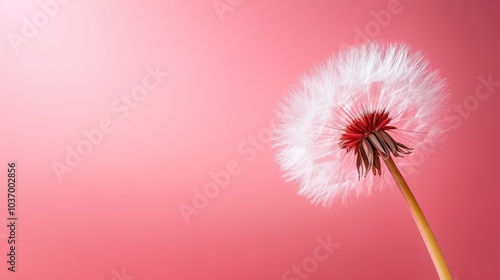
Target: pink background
x,y
119,208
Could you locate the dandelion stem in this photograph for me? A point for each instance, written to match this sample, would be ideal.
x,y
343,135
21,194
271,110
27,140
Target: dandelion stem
x,y
423,226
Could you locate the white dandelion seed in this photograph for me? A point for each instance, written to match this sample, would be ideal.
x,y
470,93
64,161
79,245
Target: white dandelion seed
x,y
368,104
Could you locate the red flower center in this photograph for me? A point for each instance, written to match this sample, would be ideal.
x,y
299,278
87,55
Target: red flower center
x,y
367,136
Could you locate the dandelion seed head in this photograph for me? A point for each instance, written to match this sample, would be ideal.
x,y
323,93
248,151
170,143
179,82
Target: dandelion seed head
x,y
365,104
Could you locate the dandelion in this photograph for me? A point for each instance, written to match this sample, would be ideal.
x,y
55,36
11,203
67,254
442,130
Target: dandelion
x,y
369,104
